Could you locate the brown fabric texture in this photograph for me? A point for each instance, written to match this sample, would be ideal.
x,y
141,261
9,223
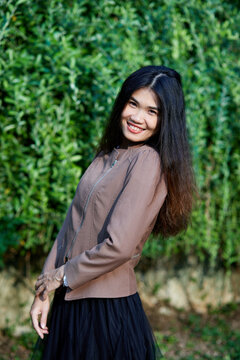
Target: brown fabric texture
x,y
110,218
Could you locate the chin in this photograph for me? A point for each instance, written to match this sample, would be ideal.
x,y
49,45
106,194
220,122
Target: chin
x,y
131,138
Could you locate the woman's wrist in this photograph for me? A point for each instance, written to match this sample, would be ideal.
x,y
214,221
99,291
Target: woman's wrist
x,y
61,277
60,274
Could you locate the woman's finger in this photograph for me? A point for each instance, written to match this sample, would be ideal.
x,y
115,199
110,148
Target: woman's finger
x,y
35,323
43,322
37,286
44,295
41,289
39,283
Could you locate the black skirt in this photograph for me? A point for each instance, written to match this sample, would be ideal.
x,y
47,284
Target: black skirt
x,y
97,329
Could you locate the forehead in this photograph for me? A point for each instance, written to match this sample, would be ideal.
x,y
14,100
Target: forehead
x,y
146,97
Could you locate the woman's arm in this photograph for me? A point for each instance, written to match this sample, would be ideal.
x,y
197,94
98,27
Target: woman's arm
x,y
51,277
50,262
39,314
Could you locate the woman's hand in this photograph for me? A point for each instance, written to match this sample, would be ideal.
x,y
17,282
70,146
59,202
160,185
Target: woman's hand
x,y
49,281
39,313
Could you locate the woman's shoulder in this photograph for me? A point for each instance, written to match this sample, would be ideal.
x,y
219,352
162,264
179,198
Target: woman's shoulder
x,y
145,153
144,164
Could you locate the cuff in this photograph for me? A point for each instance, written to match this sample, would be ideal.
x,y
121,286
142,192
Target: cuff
x,y
65,282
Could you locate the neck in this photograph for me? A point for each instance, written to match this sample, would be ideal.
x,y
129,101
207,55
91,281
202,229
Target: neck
x,y
125,144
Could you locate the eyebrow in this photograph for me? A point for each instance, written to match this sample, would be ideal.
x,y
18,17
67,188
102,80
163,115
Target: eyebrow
x,y
150,107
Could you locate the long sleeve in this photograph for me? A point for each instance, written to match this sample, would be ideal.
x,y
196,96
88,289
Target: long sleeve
x,y
50,262
133,214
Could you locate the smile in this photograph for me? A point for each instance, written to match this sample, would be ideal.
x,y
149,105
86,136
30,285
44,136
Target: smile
x,y
134,129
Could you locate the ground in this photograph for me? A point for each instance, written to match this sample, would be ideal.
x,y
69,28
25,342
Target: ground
x,y
181,335
188,336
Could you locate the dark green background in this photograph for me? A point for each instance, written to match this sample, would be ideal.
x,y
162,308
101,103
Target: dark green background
x,y
61,66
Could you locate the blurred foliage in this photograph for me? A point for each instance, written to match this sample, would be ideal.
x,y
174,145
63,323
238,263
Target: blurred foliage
x,y
61,66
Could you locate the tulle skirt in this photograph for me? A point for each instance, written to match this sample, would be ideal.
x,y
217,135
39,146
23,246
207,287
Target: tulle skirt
x,y
97,329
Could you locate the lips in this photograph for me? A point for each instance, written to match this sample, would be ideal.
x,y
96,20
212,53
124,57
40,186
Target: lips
x,y
134,128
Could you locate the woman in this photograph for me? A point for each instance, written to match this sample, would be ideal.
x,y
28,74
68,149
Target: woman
x,y
140,182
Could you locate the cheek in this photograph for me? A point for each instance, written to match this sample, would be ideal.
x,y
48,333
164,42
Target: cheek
x,y
123,119
153,124
125,113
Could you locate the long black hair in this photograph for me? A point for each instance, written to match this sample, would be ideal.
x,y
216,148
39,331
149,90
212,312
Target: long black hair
x,y
170,141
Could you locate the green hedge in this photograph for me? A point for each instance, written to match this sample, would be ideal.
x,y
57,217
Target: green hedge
x,y
61,66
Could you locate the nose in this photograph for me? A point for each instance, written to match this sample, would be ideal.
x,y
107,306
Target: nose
x,y
137,116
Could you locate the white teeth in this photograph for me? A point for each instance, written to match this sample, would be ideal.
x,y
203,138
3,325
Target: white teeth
x,y
134,127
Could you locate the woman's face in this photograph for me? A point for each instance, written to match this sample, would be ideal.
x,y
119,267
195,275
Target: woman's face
x,y
139,118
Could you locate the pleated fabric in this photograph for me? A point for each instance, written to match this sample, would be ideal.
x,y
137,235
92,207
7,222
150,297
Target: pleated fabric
x,y
97,329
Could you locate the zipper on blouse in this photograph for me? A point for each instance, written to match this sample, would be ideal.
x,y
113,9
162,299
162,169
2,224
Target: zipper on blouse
x,y
66,257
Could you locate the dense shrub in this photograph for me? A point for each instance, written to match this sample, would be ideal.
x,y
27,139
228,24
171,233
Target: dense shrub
x,y
61,65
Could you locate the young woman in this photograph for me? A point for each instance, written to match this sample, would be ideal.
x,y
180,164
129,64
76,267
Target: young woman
x,y
139,182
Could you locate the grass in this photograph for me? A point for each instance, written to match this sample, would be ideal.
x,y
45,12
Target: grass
x,y
211,337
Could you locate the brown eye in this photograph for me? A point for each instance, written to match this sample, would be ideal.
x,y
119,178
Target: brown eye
x,y
152,112
131,102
